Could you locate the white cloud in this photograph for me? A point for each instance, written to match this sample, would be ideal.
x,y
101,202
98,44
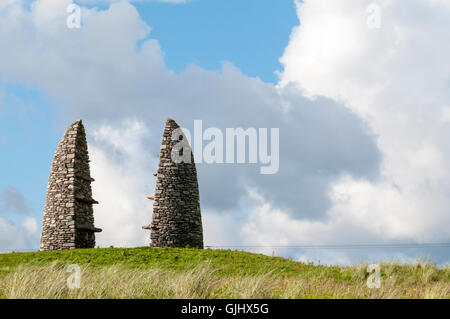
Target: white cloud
x,y
123,171
22,237
123,167
397,78
13,201
94,2
12,237
30,225
13,207
221,229
102,78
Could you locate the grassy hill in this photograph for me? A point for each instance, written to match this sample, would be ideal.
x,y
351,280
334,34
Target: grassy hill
x,y
191,273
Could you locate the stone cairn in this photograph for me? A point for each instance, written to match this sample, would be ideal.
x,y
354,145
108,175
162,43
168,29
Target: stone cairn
x,y
68,221
176,219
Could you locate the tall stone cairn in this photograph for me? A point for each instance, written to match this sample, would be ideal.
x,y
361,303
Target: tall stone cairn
x,y
68,221
176,219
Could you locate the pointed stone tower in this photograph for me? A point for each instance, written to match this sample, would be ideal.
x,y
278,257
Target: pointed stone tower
x,y
176,220
68,221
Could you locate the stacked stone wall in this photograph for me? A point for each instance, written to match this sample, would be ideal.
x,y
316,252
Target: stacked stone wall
x,y
68,221
176,219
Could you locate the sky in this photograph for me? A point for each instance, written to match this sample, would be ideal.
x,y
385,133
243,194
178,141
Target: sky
x,y
358,89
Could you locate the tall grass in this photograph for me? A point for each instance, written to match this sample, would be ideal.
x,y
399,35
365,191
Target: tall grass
x,y
420,280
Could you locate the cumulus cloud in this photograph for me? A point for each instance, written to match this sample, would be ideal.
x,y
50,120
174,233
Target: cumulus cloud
x,y
30,225
122,167
12,201
340,108
397,79
100,78
93,2
12,236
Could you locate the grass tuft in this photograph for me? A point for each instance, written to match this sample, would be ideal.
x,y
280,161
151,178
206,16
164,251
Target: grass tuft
x,y
192,273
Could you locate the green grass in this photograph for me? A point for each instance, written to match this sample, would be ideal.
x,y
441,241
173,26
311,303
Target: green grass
x,y
226,262
191,273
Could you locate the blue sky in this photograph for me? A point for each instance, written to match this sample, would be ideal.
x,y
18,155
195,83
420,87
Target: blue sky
x,y
363,135
250,34
28,140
